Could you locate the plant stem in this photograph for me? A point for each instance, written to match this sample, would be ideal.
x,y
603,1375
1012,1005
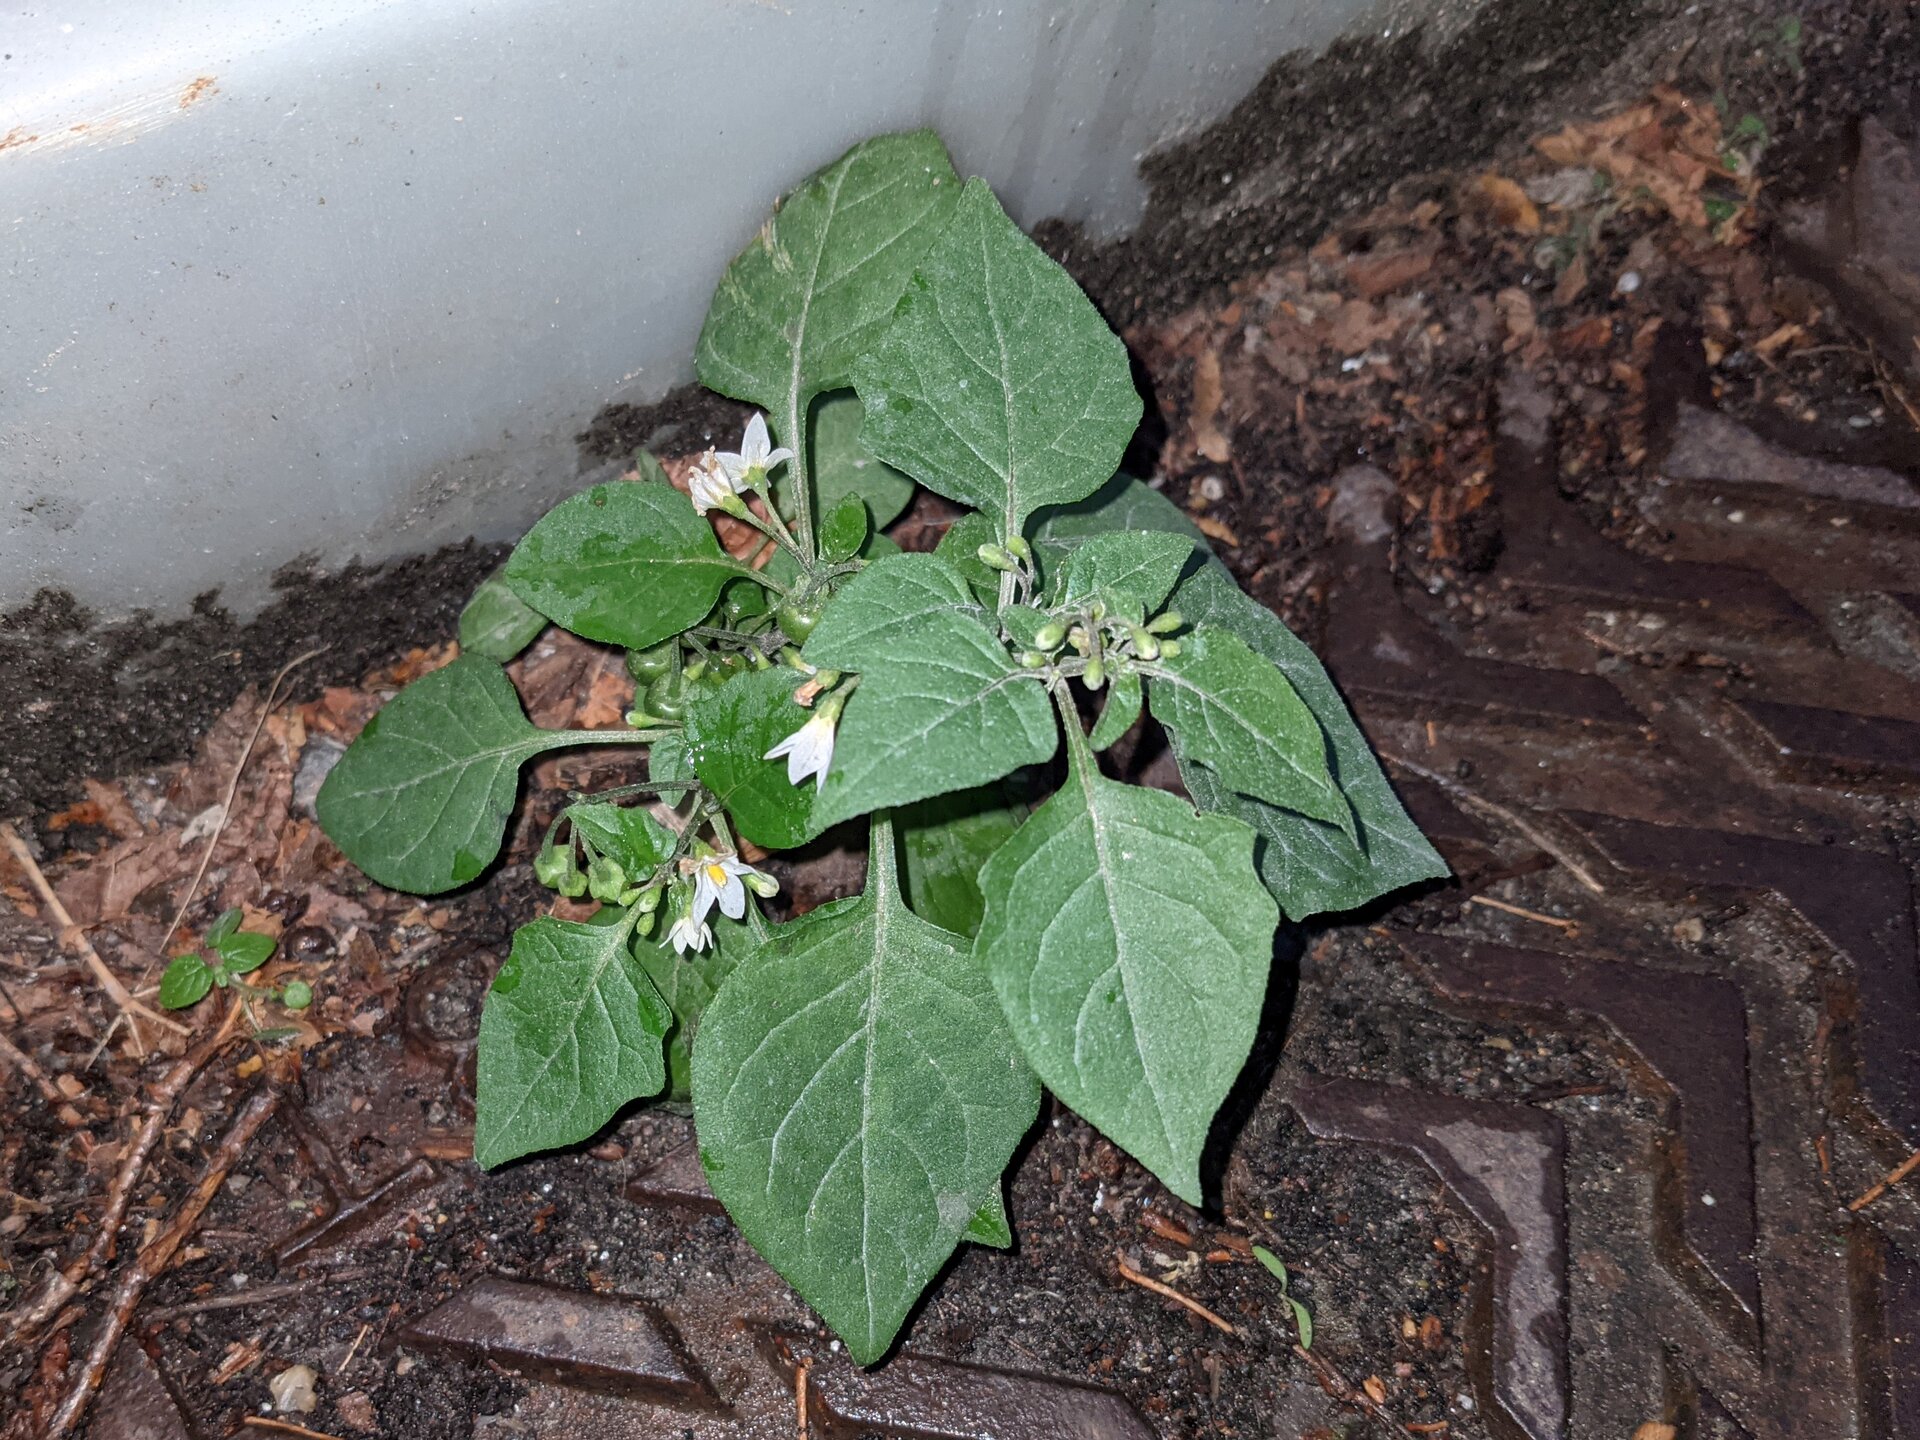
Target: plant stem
x,y
1079,753
794,436
883,876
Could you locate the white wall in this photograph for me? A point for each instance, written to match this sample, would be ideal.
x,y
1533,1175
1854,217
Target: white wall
x,y
345,277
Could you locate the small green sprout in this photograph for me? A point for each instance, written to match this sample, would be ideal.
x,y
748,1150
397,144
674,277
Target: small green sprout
x,y
234,952
1302,1320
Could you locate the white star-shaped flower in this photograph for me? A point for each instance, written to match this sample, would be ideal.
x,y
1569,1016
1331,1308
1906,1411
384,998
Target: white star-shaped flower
x,y
711,487
809,750
717,881
755,458
689,933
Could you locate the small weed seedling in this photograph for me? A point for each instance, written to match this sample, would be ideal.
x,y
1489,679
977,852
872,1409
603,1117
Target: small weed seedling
x,y
230,953
1302,1320
861,1076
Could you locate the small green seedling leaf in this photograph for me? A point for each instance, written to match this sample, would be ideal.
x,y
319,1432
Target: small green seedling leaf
x,y
1129,942
857,1096
243,952
1234,712
1272,1261
420,799
1303,1322
624,834
497,624
729,732
571,1031
225,925
627,563
186,981
1121,710
998,384
990,1226
845,529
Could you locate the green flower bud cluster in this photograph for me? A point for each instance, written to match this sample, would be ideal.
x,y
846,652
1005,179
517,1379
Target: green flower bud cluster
x,y
1108,634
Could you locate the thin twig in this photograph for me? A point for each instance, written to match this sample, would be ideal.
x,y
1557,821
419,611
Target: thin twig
x,y
353,1349
1894,1176
64,1285
77,937
1341,1388
1127,1272
1527,829
800,1400
285,1427
1492,904
226,804
30,1067
259,1295
153,1261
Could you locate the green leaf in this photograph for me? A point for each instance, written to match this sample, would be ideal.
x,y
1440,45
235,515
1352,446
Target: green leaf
x,y
497,624
729,732
960,547
1234,712
1140,565
244,952
1129,942
879,611
1303,1321
227,922
1308,865
626,562
819,283
420,799
1272,1262
1121,710
842,467
667,760
624,833
186,981
947,839
687,983
945,710
570,1032
1023,624
989,1225
845,529
998,384
856,1096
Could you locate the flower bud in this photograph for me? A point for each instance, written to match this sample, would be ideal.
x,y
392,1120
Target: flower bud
x,y
644,925
650,900
994,558
1144,644
1165,623
1051,635
1096,675
1077,637
1017,544
761,884
1032,659
1169,649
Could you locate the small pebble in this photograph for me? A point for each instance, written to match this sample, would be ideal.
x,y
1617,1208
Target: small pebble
x,y
1213,488
292,1390
1629,282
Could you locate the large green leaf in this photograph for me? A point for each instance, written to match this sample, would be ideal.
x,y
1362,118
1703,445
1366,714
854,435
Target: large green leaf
x,y
1141,565
1309,865
998,385
628,562
947,710
880,611
420,800
571,1031
820,281
729,732
946,840
857,1095
496,623
1234,712
1129,941
842,465
687,983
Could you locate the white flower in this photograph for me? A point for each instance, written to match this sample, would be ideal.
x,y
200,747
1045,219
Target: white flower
x,y
690,933
711,486
716,880
809,750
750,466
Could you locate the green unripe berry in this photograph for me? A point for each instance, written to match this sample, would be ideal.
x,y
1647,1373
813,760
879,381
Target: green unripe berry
x,y
552,865
667,697
646,665
605,880
797,617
